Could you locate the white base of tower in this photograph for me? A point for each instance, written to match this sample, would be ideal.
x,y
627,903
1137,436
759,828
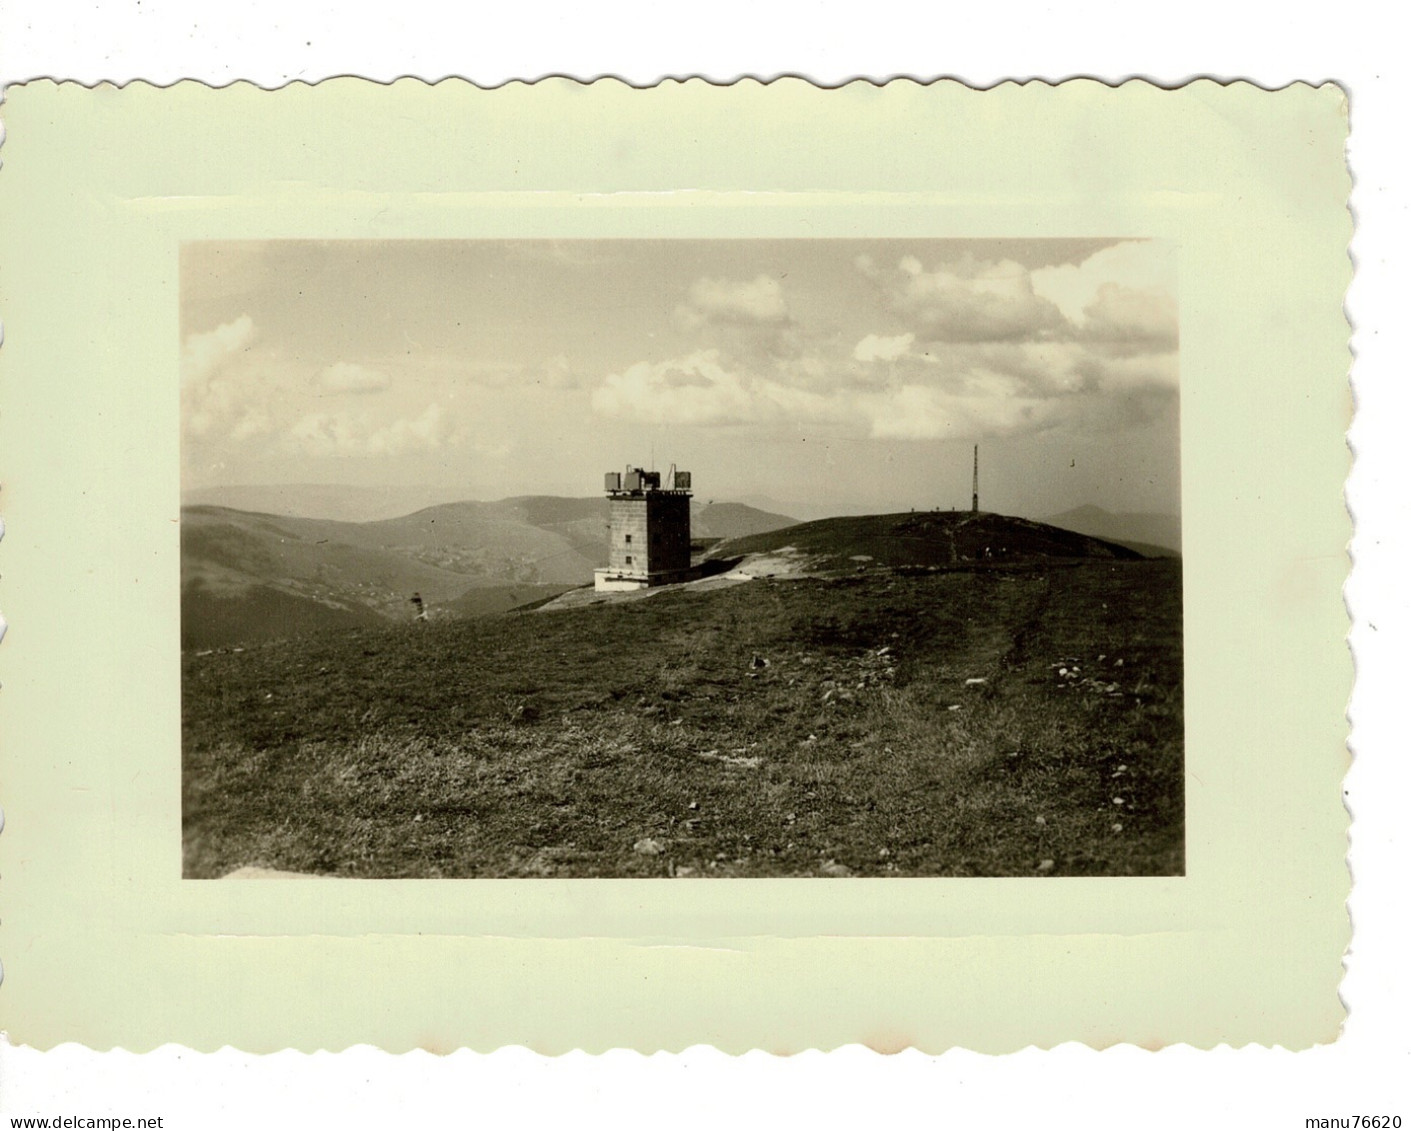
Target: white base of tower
x,y
609,581
606,581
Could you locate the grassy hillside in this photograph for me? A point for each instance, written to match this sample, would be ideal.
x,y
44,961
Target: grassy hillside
x,y
925,538
734,520
249,576
231,549
484,600
487,542
261,612
1025,721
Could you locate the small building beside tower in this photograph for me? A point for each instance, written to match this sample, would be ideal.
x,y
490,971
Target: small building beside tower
x,y
649,530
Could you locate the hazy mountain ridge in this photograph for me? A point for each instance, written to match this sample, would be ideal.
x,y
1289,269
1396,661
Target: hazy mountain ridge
x,y
1147,533
735,520
284,573
342,503
250,575
336,501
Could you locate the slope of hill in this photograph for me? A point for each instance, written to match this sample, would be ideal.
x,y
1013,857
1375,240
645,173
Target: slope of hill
x,y
247,577
1154,535
485,542
485,600
918,539
302,573
582,523
734,520
216,618
970,722
232,550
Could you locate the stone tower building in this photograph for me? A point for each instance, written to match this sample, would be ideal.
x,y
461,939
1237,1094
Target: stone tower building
x,y
650,530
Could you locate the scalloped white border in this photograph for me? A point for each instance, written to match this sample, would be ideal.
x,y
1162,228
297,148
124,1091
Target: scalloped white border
x,y
121,41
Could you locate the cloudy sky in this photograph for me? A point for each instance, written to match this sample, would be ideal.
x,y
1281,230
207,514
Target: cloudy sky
x,y
847,374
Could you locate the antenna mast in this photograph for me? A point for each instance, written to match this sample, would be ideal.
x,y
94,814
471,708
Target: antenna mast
x,y
975,484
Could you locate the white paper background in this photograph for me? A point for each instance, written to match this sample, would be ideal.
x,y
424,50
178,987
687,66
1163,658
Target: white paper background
x,y
1354,43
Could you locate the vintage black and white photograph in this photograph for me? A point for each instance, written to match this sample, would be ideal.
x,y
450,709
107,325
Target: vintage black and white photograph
x,y
755,558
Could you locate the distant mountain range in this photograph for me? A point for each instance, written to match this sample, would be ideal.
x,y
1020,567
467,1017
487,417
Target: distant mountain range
x,y
1155,535
338,501
248,576
251,575
805,512
345,503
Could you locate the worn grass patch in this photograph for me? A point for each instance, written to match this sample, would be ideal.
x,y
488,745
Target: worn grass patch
x,y
789,728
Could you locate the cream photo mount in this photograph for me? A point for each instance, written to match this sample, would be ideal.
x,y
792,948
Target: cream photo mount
x,y
104,942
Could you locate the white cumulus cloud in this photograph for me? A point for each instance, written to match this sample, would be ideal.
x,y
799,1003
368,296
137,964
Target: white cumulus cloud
x,y
964,347
756,302
966,300
695,389
701,389
942,391
220,397
918,412
875,347
1135,317
1126,292
333,434
203,354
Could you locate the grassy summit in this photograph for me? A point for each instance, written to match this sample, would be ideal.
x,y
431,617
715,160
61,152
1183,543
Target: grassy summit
x,y
924,538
